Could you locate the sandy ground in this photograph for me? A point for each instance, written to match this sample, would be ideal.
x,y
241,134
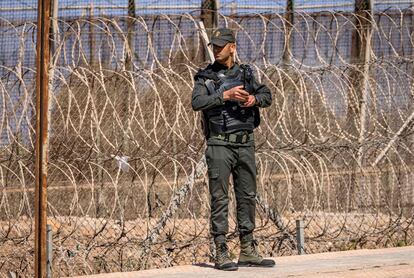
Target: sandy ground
x,y
85,245
387,263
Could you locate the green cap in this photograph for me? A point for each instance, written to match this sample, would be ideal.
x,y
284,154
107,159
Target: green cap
x,y
222,36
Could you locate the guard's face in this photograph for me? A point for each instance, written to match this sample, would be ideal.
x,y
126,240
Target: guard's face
x,y
223,53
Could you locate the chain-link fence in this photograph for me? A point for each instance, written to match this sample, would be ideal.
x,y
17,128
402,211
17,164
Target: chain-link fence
x,y
127,188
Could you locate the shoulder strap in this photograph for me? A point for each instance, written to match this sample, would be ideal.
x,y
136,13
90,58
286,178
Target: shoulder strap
x,y
247,68
206,73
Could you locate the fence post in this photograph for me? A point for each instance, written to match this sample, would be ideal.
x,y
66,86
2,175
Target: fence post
x,y
300,237
367,52
209,18
210,57
357,113
55,27
233,12
42,137
360,57
130,32
129,67
209,15
287,49
91,37
49,250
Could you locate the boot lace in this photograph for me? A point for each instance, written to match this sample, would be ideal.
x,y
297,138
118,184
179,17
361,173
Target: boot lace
x,y
222,252
254,246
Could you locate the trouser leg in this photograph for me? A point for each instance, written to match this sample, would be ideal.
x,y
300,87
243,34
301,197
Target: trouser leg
x,y
244,176
219,160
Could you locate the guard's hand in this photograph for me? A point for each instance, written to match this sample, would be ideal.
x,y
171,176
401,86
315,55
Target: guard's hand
x,y
236,93
251,101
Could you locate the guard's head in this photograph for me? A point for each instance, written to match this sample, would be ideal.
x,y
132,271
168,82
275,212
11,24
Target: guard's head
x,y
222,36
224,44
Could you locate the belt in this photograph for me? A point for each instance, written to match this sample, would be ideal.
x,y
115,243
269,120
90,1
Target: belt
x,y
233,138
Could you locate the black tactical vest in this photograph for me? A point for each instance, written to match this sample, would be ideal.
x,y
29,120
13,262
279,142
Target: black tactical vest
x,y
230,117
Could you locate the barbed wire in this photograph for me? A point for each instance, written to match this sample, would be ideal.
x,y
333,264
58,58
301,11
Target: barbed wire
x,y
127,184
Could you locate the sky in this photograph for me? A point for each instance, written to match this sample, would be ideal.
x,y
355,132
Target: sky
x,y
228,6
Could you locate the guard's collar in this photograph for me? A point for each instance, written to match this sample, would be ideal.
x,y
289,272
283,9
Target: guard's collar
x,y
219,66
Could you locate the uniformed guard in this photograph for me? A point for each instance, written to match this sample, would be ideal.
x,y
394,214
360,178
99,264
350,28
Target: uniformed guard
x,y
229,97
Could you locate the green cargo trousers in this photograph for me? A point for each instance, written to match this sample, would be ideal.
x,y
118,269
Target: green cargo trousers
x,y
223,160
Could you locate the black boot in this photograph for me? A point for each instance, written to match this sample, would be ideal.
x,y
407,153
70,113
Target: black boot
x,y
223,261
249,256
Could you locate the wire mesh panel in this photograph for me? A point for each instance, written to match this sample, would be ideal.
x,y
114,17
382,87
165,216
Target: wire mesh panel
x,y
317,6
229,7
382,5
127,187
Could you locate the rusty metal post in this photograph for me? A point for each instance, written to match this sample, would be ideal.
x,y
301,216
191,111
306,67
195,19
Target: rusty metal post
x,y
42,104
